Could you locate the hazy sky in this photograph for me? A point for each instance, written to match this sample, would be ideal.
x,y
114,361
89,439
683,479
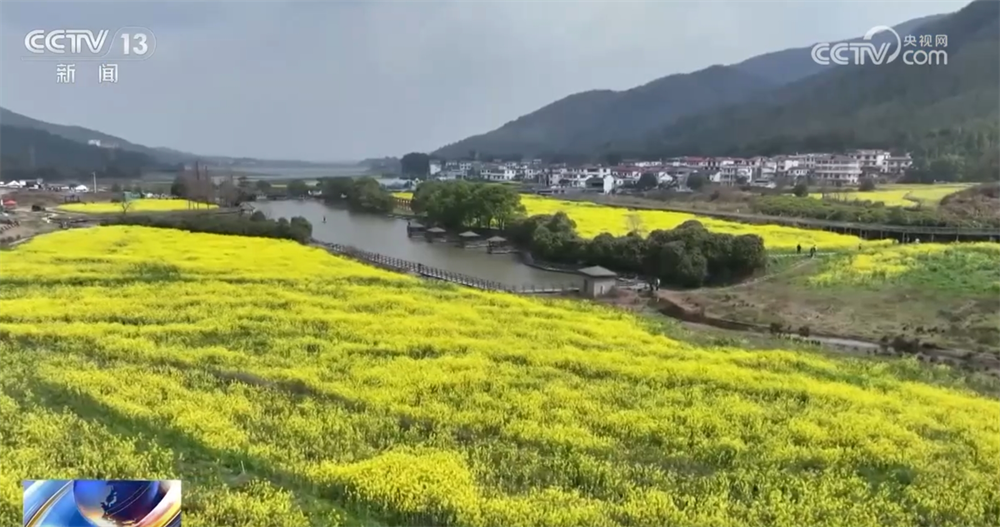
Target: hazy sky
x,y
347,80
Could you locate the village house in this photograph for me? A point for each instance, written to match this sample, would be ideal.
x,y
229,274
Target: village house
x,y
870,160
837,169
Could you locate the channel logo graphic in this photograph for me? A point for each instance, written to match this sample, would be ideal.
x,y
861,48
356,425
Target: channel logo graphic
x,y
127,43
102,503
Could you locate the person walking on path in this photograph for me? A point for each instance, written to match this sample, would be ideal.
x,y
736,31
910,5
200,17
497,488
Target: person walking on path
x,y
798,249
812,252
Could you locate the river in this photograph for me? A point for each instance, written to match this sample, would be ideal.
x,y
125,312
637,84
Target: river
x,y
385,235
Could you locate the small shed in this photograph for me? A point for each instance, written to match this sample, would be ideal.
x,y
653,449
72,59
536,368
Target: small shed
x,y
467,237
435,232
413,227
597,281
497,244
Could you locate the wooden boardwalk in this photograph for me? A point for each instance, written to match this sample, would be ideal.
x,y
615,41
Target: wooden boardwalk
x,y
406,266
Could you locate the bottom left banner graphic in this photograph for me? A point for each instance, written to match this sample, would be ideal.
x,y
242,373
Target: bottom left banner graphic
x,y
102,503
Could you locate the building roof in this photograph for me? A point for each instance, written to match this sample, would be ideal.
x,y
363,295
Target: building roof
x,y
436,230
597,272
468,234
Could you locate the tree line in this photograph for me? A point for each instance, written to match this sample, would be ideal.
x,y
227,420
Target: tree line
x,y
865,211
688,256
257,225
461,203
364,193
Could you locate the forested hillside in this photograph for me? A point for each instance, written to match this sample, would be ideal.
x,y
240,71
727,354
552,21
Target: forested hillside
x,y
29,153
932,110
603,121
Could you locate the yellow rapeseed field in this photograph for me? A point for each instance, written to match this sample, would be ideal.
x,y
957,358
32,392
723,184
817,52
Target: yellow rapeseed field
x,y
138,205
960,268
592,219
901,195
289,387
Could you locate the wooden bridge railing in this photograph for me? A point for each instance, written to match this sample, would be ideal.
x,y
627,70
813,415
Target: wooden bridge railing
x,y
399,264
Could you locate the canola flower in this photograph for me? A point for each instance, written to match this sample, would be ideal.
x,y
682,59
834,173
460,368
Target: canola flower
x,y
966,268
138,205
289,387
901,195
593,219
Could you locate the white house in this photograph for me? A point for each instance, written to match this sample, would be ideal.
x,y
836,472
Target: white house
x,y
733,174
605,184
435,167
898,164
837,169
870,160
497,173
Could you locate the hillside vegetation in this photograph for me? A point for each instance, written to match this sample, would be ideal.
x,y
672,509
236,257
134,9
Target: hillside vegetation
x,y
289,387
928,196
586,123
946,294
929,110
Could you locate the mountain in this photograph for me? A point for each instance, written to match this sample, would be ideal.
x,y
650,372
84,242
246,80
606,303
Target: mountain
x,y
790,65
29,149
587,121
80,134
888,105
159,155
603,120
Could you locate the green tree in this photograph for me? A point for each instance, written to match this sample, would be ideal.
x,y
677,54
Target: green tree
x,y
463,203
647,181
179,188
262,185
867,185
801,190
697,181
297,188
416,164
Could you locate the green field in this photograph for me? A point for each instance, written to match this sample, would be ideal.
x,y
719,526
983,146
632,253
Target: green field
x,y
900,195
947,294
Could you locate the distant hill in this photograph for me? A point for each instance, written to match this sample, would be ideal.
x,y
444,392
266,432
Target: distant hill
x,y
24,149
605,120
790,65
887,105
590,121
80,134
160,155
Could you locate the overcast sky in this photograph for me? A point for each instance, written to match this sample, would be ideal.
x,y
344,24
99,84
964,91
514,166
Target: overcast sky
x,y
346,80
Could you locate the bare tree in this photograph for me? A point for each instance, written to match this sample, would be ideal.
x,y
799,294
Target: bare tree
x,y
197,188
634,223
228,193
126,205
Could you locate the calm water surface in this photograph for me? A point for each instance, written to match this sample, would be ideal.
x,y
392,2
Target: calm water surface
x,y
384,235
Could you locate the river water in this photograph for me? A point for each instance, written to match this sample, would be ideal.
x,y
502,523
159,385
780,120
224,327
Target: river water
x,y
385,235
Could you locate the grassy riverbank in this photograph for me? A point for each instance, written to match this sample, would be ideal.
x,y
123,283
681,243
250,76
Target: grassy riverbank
x,y
289,387
946,294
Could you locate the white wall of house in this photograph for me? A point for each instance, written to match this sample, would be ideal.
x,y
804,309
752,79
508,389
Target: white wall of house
x,y
837,169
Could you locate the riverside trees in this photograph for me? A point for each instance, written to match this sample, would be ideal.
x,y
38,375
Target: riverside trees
x,y
688,256
363,193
